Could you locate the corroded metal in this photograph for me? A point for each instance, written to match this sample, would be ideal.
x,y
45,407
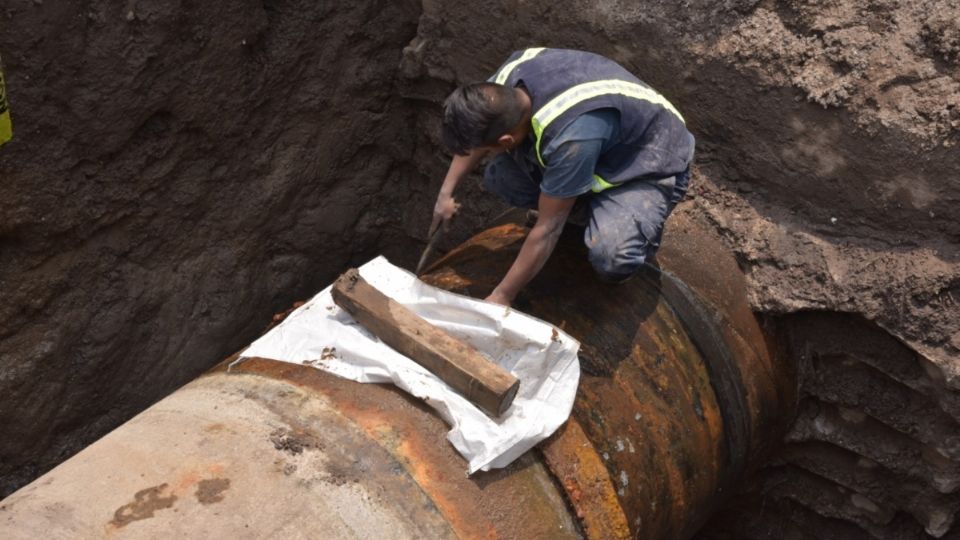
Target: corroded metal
x,y
587,482
416,439
681,394
275,450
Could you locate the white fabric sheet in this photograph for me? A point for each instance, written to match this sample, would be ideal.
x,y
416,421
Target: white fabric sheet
x,y
544,358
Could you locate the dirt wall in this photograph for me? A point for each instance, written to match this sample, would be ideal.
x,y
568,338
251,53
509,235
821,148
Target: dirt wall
x,y
874,452
180,171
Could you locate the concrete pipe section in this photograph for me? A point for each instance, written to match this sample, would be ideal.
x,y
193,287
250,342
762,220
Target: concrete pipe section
x,y
682,394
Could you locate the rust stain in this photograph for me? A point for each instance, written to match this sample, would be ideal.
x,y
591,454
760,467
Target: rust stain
x,y
214,428
573,460
415,454
644,454
646,402
769,379
145,503
187,480
211,490
383,426
675,424
483,506
412,451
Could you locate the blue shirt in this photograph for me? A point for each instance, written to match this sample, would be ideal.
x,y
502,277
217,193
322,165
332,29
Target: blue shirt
x,y
572,155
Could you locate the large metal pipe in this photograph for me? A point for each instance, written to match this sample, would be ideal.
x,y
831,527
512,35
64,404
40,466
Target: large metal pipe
x,y
681,394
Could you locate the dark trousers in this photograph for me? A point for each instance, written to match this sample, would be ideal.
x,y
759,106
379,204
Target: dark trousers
x,y
625,222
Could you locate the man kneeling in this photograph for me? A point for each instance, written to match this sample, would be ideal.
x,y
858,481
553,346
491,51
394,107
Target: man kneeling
x,y
564,126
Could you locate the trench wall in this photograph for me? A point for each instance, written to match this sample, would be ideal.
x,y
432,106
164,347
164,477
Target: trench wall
x,y
180,170
874,451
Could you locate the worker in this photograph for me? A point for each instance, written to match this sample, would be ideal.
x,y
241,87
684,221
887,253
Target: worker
x,y
570,131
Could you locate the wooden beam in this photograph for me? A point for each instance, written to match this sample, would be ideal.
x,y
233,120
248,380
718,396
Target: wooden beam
x,y
464,368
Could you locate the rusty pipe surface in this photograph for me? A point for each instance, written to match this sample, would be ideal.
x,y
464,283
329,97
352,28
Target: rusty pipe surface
x,y
681,395
681,392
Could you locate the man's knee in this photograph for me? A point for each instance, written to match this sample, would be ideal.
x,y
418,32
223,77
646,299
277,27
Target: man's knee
x,y
616,259
619,246
614,269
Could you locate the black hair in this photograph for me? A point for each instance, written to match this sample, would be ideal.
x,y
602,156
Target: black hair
x,y
478,114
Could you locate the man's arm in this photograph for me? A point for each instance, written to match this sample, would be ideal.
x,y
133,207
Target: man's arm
x,y
446,206
571,159
536,248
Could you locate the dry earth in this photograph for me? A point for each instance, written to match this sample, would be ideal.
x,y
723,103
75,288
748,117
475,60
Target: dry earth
x,y
180,171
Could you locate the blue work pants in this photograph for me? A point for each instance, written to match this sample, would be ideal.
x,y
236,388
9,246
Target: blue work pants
x,y
625,222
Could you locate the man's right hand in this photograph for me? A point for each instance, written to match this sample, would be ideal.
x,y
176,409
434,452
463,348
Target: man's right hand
x,y
447,206
443,211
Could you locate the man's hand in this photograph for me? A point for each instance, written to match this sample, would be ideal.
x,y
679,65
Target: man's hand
x,y
443,211
446,207
497,297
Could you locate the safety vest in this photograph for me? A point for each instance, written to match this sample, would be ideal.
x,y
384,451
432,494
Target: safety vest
x,y
6,128
564,84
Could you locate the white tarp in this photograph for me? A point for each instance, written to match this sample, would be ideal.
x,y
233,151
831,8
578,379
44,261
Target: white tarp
x,y
544,358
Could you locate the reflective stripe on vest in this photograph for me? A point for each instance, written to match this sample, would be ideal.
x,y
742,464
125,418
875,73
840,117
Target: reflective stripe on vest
x,y
507,69
582,92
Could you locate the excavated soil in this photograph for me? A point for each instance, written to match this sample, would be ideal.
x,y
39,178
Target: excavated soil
x,y
183,170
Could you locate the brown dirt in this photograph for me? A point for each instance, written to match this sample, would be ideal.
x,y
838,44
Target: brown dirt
x,y
181,172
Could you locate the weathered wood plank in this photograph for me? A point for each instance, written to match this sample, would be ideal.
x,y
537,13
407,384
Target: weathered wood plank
x,y
464,368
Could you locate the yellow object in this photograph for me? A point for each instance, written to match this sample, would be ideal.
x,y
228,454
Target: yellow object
x,y
6,128
508,69
599,184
